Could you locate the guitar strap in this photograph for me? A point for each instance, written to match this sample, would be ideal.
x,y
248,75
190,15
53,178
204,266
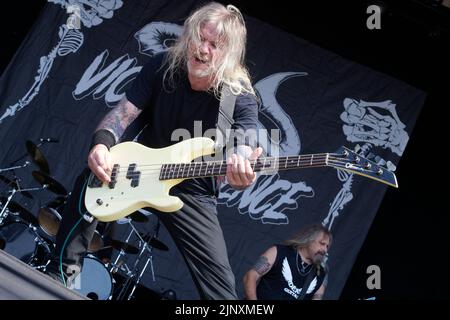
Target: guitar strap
x,y
224,123
225,118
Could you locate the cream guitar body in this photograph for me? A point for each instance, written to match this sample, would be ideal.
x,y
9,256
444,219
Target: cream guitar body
x,y
133,189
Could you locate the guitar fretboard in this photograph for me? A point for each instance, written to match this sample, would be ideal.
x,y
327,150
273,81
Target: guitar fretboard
x,y
219,168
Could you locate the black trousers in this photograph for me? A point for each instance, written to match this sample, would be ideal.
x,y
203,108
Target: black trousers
x,y
195,229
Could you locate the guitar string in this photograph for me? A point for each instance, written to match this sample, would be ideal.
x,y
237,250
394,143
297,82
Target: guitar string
x,y
217,171
313,156
194,166
260,161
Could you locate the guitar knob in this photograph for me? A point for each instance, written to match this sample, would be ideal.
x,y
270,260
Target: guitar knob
x,y
368,165
380,172
99,202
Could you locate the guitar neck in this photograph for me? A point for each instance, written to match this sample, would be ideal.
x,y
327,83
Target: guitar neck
x,y
219,168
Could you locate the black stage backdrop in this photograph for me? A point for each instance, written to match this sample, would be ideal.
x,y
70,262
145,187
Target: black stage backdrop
x,y
70,78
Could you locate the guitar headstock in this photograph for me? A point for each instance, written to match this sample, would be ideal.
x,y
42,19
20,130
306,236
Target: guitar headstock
x,y
349,160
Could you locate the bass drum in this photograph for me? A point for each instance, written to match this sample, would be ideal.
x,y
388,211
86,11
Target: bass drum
x,y
94,280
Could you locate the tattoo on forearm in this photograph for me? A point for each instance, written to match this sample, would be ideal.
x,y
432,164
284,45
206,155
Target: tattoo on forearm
x,y
118,119
262,266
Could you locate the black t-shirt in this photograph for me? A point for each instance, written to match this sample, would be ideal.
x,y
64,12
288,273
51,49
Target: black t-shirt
x,y
173,109
285,279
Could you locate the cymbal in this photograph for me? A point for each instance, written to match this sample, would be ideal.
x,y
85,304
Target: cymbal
x,y
13,184
138,217
57,202
155,243
37,156
127,248
23,213
52,185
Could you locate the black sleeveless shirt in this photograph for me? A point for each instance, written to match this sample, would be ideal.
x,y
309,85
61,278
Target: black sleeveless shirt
x,y
286,278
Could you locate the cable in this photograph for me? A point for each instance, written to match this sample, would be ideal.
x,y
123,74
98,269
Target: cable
x,y
70,233
62,251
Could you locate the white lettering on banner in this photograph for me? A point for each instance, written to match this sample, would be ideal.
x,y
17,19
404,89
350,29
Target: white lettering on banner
x,y
267,198
100,81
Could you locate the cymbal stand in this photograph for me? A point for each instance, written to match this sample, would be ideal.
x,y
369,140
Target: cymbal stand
x,y
13,191
133,273
3,213
129,273
149,260
27,163
115,264
149,248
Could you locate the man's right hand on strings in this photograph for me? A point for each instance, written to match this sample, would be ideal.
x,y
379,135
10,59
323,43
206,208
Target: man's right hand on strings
x,y
100,163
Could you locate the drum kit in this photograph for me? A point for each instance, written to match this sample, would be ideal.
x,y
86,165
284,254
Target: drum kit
x,y
118,279
32,239
21,233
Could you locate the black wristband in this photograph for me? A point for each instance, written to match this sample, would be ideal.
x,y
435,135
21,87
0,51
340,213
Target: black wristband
x,y
104,137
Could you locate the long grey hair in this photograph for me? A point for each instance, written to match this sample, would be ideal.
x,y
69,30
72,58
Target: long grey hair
x,y
232,32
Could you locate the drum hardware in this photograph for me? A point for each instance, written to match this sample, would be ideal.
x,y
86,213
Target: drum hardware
x,y
145,247
39,159
138,217
115,265
122,246
19,228
16,210
115,268
37,156
13,191
14,185
153,242
49,182
96,242
26,164
145,244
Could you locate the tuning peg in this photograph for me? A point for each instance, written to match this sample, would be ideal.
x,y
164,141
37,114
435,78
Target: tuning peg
x,y
370,156
363,150
391,167
380,161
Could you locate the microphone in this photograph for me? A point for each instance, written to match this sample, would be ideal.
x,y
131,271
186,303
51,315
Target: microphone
x,y
48,140
317,261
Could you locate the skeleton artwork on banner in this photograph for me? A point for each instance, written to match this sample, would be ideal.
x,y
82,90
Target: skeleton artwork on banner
x,y
90,13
